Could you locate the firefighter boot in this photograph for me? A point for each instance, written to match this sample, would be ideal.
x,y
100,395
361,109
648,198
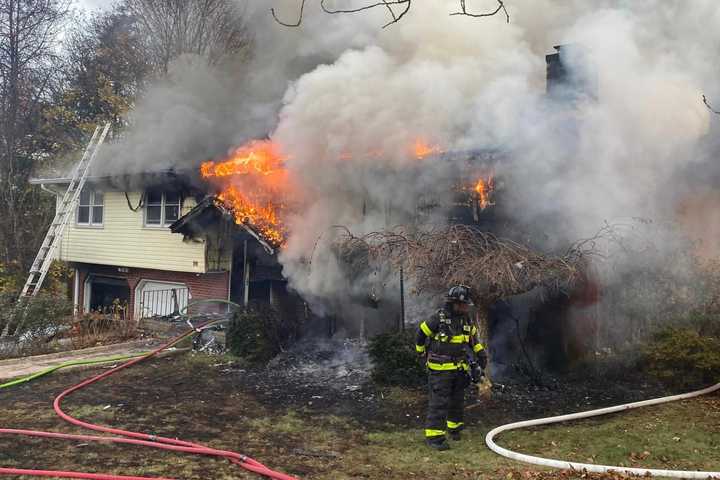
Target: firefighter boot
x,y
437,443
455,435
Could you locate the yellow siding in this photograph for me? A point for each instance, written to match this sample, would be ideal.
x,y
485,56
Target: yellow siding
x,y
125,242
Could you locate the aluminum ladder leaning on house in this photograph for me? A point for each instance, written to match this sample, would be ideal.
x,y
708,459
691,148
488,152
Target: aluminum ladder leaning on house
x,y
66,207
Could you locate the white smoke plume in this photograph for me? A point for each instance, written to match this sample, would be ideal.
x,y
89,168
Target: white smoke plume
x,y
465,83
339,89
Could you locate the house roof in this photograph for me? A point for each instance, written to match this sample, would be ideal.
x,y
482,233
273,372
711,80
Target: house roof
x,y
209,210
129,181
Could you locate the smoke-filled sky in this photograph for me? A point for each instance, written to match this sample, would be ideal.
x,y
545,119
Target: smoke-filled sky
x,y
341,86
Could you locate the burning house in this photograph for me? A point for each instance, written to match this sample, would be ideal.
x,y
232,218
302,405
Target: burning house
x,y
238,228
146,245
150,243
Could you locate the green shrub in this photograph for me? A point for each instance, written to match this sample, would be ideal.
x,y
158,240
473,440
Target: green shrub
x,y
41,312
6,280
703,323
395,361
685,357
39,319
254,334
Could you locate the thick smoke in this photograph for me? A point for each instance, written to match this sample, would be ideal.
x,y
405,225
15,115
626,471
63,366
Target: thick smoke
x,y
200,111
475,84
347,100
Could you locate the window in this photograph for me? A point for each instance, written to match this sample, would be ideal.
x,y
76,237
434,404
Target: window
x,y
90,208
161,208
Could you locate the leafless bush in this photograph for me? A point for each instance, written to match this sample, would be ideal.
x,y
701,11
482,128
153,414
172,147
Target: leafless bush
x,y
95,328
493,267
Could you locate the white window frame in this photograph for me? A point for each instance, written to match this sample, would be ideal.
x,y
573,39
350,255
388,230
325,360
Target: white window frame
x,y
91,206
163,204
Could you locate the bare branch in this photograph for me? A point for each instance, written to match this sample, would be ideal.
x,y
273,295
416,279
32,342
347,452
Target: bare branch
x,y
300,17
501,6
391,11
384,3
388,5
707,104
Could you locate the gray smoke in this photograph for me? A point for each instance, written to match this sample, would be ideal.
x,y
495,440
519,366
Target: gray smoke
x,y
347,100
200,111
475,84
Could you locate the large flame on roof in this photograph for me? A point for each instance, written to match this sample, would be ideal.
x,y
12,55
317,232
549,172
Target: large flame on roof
x,y
253,184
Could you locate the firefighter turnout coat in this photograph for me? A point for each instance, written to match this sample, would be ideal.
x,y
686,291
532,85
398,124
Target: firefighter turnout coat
x,y
448,341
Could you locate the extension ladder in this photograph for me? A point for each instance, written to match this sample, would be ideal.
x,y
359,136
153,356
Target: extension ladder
x,y
64,211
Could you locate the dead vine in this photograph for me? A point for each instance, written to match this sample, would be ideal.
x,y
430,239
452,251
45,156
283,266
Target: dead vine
x,y
493,267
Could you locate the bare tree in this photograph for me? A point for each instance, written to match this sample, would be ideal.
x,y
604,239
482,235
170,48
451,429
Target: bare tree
x,y
28,31
396,9
104,70
213,29
108,43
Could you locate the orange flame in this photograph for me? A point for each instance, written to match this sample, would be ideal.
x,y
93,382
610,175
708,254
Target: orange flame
x,y
258,156
423,149
253,181
420,149
484,188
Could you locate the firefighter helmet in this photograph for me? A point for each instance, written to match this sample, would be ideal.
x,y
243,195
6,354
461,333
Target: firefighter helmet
x,y
459,294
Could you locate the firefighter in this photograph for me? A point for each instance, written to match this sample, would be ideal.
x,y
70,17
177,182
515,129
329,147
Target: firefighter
x,y
449,345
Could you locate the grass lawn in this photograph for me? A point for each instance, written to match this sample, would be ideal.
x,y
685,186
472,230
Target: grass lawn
x,y
676,436
187,398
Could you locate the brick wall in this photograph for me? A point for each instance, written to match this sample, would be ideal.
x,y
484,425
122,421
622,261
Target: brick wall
x,y
201,285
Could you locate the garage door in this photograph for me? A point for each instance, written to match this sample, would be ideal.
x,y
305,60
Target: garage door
x,y
106,294
160,299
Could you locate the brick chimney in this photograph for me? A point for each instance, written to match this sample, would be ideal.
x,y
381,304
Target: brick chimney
x,y
570,76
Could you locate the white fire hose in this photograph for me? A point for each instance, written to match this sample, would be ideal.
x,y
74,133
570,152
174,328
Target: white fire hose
x,y
565,465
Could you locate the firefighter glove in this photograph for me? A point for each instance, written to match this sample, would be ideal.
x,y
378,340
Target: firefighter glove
x,y
476,373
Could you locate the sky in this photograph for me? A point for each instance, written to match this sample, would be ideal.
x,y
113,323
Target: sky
x,y
93,4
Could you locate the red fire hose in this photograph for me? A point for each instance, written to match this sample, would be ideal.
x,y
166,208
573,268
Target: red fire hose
x,y
128,437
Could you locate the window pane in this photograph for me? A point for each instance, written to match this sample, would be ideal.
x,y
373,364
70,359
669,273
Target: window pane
x,y
152,215
83,215
172,198
85,197
99,198
171,213
153,197
97,215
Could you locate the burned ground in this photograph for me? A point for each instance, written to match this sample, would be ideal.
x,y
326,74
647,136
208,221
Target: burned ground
x,y
306,414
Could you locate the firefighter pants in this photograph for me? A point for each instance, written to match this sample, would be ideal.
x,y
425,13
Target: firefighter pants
x,y
446,401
